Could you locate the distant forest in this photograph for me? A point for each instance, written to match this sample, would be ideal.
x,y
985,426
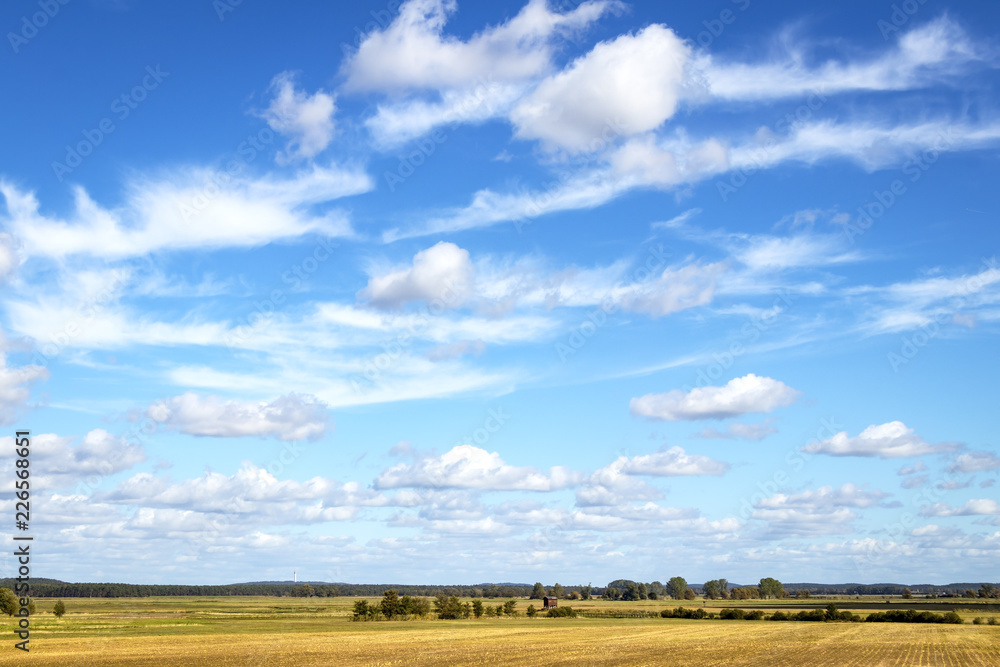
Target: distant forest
x,y
53,588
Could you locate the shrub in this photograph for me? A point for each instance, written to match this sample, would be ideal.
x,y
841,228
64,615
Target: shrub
x,y
562,612
812,615
992,621
913,616
780,616
681,612
755,615
732,614
978,620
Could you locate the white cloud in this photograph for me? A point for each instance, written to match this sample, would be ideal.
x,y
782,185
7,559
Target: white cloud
x,y
413,53
291,417
170,214
673,462
739,431
974,507
8,256
15,385
626,86
442,274
827,497
469,467
975,462
674,290
61,464
306,119
886,441
931,54
739,396
919,466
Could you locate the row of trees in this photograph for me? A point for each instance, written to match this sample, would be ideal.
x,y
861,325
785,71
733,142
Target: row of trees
x,y
392,607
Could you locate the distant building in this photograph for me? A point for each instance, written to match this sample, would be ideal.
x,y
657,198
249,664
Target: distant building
x,y
548,603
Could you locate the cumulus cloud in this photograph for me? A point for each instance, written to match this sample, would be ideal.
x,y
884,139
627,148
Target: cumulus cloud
x,y
815,512
62,461
629,85
615,483
886,441
975,462
442,273
974,507
673,462
747,394
414,53
306,119
469,467
250,494
291,417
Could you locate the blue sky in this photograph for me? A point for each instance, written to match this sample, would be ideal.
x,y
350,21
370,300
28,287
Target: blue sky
x,y
446,292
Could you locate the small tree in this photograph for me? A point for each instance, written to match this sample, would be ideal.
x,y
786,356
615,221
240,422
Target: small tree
x,y
538,592
557,591
510,608
689,594
907,595
531,611
676,587
8,602
59,609
585,592
771,588
477,608
390,604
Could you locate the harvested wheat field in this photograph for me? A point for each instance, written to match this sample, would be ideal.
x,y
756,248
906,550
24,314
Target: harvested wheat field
x,y
223,631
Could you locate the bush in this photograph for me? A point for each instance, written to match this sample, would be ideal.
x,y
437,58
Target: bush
x,y
992,621
681,612
755,615
59,609
732,614
780,616
812,615
913,616
562,612
978,620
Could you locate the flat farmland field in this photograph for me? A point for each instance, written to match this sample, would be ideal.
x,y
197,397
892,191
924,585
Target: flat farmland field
x,y
318,631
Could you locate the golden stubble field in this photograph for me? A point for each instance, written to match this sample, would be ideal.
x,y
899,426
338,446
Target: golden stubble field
x,y
278,632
